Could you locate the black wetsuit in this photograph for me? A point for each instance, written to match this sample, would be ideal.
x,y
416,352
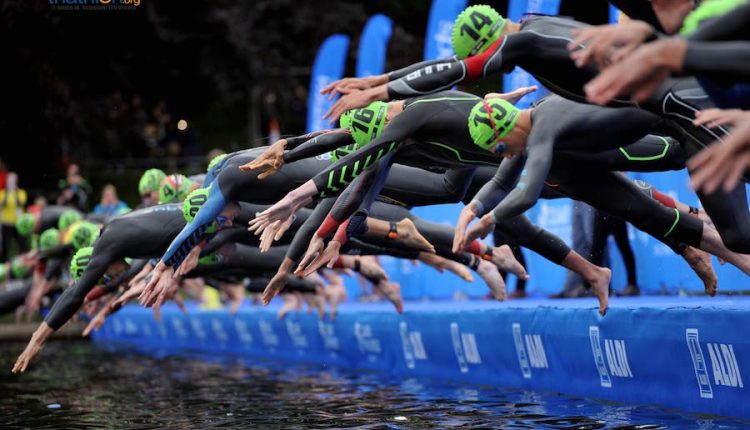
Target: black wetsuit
x,y
143,233
541,49
229,183
437,133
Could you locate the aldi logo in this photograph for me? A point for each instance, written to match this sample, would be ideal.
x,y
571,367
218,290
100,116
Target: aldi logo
x,y
719,364
610,361
530,351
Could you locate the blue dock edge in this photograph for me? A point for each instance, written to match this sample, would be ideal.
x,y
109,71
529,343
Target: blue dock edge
x,y
686,353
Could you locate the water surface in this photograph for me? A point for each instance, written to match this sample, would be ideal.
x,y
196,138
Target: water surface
x,y
78,385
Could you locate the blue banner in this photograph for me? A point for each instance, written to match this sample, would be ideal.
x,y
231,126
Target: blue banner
x,y
674,352
437,41
614,14
520,78
328,67
373,46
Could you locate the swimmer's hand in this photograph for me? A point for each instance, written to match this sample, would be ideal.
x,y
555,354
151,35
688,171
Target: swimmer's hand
x,y
354,100
273,288
513,96
314,249
274,232
189,263
32,349
328,257
284,208
137,279
468,213
348,85
639,74
97,322
723,163
268,162
161,279
716,117
480,229
606,44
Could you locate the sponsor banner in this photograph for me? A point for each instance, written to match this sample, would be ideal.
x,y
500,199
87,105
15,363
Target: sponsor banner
x,y
690,354
373,46
437,41
328,67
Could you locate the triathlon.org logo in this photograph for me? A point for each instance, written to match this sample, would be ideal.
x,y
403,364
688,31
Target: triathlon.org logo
x,y
76,5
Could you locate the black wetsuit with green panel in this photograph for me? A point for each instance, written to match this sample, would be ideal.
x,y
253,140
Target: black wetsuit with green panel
x,y
441,121
541,49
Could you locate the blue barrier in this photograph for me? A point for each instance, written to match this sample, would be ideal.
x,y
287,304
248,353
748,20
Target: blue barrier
x,y
686,353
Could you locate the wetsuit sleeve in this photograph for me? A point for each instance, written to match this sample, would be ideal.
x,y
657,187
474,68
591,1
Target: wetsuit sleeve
x,y
192,234
718,60
54,268
442,75
400,73
319,145
531,181
70,301
293,142
356,246
337,176
224,236
499,186
734,25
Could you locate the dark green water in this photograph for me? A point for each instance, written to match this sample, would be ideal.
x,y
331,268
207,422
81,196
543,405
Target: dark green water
x,y
76,385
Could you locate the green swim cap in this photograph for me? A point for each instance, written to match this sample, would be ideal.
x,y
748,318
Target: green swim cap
x,y
475,29
192,204
25,224
68,218
366,123
490,121
707,10
80,261
84,235
150,181
174,188
49,238
216,160
19,270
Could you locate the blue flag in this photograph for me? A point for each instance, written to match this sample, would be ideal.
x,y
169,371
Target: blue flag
x,y
329,66
437,41
373,46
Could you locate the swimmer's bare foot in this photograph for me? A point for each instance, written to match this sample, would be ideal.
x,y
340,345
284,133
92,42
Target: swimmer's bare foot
x,y
488,272
441,264
503,258
392,292
290,303
411,237
700,262
335,293
599,282
318,301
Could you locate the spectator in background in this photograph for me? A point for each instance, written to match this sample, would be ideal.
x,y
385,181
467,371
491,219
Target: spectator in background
x,y
110,204
604,226
39,204
582,232
74,189
3,174
12,202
